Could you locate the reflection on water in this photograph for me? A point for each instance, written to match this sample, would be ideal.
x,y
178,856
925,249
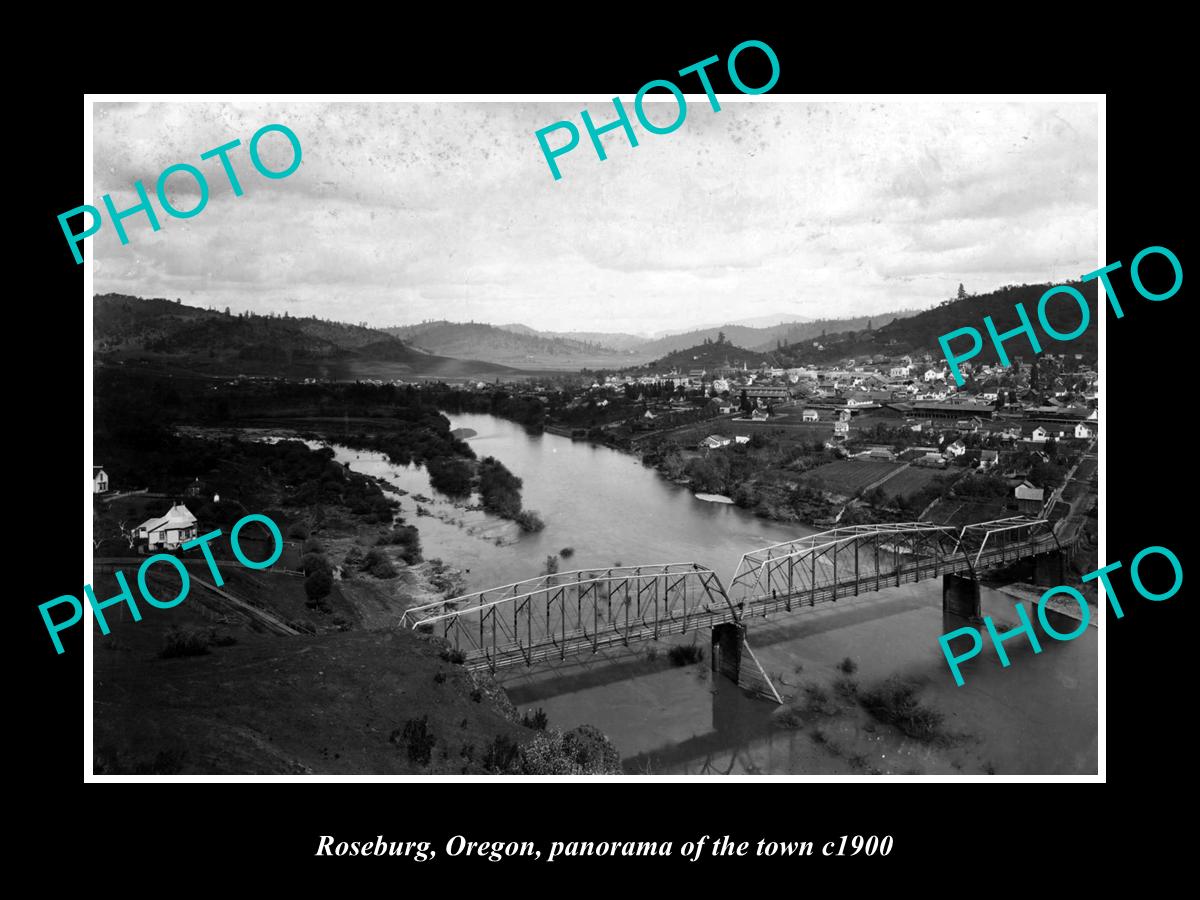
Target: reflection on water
x,y
1036,716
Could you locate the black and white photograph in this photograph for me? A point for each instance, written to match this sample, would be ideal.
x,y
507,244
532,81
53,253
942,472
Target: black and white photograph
x,y
480,439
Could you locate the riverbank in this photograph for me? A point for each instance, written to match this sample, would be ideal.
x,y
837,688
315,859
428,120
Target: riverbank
x,y
204,688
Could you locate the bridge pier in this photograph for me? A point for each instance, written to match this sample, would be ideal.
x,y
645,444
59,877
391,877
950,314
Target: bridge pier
x,y
727,649
1050,568
733,658
960,597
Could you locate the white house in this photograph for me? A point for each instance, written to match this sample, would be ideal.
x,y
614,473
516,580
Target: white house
x,y
715,442
170,530
99,480
1029,498
741,438
1040,435
1083,431
810,415
898,372
842,427
988,458
934,375
958,448
760,415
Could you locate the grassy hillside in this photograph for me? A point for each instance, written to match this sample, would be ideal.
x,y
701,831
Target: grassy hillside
x,y
712,356
919,333
163,333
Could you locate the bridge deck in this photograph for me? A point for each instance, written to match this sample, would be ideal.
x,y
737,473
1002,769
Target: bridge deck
x,y
558,642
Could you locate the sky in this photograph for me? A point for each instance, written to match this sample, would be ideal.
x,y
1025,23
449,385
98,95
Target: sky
x,y
406,212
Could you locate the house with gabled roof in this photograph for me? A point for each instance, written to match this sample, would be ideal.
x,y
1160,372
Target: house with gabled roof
x,y
168,531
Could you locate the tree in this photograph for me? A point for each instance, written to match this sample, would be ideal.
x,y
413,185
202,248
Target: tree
x,y
317,586
745,405
720,337
962,292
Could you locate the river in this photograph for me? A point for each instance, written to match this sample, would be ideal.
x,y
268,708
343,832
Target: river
x,y
1039,715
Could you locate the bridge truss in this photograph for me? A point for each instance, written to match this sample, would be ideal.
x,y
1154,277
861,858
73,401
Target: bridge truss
x,y
567,612
553,616
858,559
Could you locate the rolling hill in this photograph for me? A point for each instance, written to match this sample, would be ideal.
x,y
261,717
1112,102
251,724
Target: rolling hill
x,y
526,349
172,334
712,356
919,333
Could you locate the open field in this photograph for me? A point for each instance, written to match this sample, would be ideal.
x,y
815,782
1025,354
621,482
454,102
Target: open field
x,y
848,476
914,479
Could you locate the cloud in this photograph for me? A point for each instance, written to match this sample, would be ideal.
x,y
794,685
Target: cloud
x,y
400,212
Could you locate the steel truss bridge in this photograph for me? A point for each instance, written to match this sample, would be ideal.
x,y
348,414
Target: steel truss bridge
x,y
567,613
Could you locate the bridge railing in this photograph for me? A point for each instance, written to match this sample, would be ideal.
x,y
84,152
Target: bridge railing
x,y
850,559
587,609
565,612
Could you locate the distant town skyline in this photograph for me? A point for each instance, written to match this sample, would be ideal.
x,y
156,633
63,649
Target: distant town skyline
x,y
408,212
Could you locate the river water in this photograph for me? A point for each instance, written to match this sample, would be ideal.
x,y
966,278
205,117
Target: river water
x,y
1039,715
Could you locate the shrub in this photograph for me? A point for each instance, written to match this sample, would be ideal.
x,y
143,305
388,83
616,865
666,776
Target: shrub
x,y
354,557
418,740
107,761
789,718
535,720
503,756
298,531
406,537
377,564
817,701
530,521
312,545
551,565
453,655
184,642
450,476
685,654
499,488
592,751
566,552
846,687
848,666
895,702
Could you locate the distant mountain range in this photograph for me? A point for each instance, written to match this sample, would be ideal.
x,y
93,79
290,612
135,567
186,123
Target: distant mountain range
x,y
527,348
184,338
523,348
